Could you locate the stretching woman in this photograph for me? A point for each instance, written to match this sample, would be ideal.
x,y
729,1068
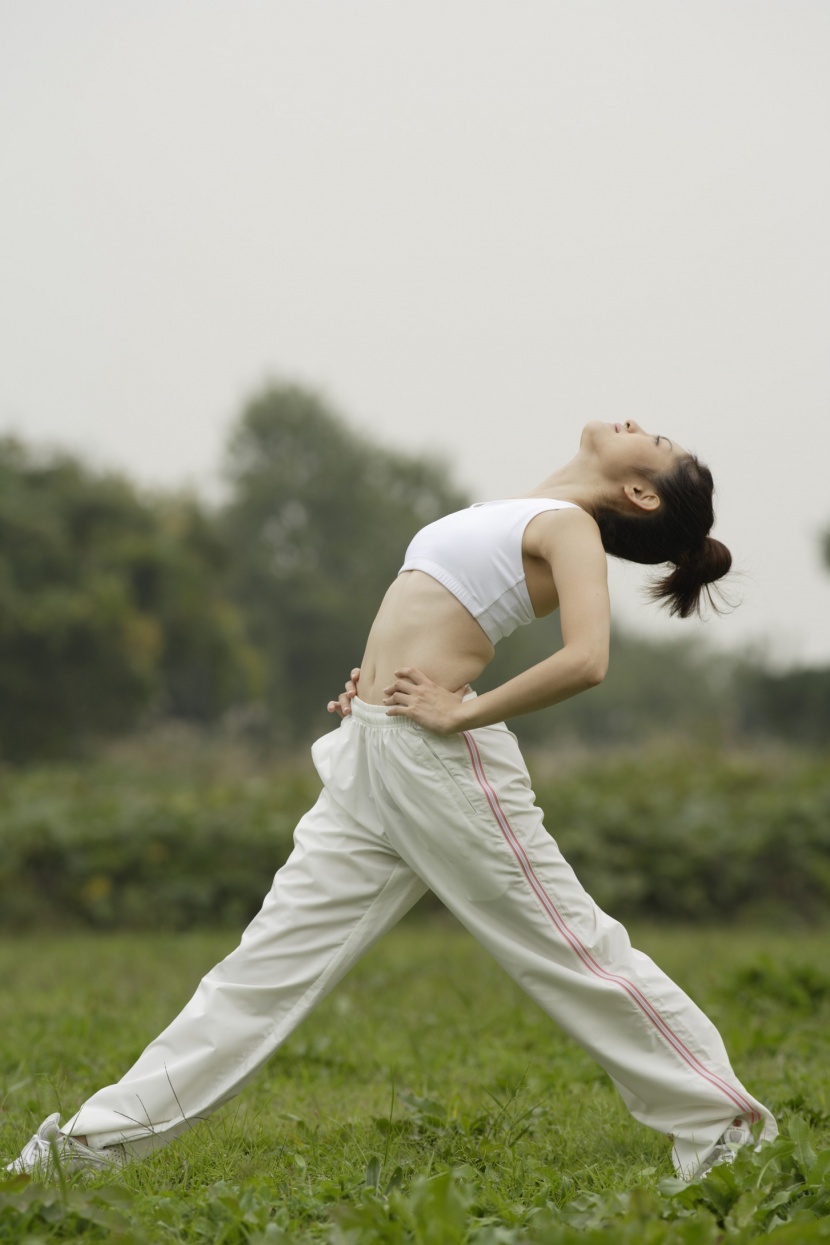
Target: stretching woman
x,y
423,787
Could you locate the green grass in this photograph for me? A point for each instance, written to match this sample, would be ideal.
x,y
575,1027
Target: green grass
x,y
426,1100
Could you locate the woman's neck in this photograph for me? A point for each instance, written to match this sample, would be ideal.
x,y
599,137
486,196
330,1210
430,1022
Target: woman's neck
x,y
574,482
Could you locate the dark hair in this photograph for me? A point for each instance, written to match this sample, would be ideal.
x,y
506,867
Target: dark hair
x,y
676,532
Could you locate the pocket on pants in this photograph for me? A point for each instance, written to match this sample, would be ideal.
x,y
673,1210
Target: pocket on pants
x,y
470,844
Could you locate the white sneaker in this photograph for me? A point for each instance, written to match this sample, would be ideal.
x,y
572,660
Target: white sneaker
x,y
51,1149
725,1148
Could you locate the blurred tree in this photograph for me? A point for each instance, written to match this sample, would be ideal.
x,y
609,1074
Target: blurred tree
x,y
793,705
317,524
113,604
108,605
653,690
176,572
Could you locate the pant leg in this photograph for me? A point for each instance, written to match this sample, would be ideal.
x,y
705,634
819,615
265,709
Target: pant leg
x,y
340,890
468,824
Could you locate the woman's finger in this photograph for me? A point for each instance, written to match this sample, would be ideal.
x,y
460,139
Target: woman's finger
x,y
412,674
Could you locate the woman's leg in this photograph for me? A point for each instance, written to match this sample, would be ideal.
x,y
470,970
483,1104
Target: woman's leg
x,y
467,823
339,891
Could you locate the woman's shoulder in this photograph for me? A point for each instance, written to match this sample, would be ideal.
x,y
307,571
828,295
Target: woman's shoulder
x,y
570,523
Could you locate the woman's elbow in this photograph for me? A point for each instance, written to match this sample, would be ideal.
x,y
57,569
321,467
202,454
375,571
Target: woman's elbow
x,y
594,669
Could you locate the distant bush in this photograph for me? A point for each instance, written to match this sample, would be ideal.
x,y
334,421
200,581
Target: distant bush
x,y
99,847
663,836
701,837
793,706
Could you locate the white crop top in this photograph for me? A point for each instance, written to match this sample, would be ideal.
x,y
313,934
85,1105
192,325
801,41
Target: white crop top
x,y
477,554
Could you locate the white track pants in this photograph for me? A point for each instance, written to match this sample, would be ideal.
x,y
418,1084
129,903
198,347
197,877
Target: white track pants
x,y
403,810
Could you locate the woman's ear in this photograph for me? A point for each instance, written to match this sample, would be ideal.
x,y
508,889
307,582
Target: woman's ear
x,y
641,496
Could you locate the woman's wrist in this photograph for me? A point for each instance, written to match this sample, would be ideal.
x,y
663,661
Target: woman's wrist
x,y
466,714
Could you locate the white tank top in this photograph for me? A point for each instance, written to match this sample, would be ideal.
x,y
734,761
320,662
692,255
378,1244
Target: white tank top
x,y
477,554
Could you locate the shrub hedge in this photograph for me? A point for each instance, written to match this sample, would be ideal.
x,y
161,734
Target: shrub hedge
x,y
660,836
115,849
701,837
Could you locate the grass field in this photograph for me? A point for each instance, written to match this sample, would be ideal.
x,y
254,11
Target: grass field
x,y
426,1100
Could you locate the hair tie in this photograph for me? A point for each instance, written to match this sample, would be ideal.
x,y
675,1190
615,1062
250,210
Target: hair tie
x,y
693,553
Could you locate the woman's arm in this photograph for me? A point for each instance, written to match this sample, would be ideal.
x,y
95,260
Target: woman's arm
x,y
570,543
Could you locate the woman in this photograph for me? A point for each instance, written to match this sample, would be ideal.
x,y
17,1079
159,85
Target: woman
x,y
425,788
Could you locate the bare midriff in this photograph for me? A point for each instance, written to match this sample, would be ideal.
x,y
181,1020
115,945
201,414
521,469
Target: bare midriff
x,y
421,624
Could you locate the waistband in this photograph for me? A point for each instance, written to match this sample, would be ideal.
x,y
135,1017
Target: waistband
x,y
376,716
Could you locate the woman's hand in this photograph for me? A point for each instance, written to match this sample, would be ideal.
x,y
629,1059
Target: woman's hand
x,y
415,696
343,705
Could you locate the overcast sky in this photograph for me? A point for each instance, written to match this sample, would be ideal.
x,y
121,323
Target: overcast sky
x,y
472,224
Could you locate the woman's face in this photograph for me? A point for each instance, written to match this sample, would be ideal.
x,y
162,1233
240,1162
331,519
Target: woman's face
x,y
625,448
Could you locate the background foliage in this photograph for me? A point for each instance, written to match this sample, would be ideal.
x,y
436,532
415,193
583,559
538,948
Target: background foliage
x,y
672,835
121,609
161,662
316,526
111,603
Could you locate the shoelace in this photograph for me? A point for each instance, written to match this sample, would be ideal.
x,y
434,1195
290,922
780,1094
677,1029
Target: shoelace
x,y
40,1149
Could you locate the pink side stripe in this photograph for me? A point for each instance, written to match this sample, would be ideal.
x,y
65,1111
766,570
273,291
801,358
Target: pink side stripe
x,y
584,954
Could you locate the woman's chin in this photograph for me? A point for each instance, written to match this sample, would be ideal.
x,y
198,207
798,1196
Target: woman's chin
x,y
593,429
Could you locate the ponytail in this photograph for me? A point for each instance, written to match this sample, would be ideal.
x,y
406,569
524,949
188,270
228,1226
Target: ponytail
x,y
684,588
676,532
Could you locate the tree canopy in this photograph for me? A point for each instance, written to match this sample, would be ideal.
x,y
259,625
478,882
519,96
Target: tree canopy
x,y
110,605
119,607
316,526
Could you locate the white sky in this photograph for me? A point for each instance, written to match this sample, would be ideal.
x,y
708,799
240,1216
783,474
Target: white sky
x,y
473,223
